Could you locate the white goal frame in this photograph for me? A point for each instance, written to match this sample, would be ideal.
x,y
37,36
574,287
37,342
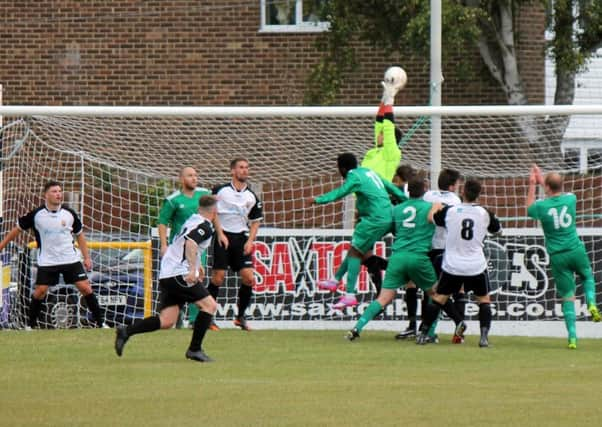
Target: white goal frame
x,y
531,328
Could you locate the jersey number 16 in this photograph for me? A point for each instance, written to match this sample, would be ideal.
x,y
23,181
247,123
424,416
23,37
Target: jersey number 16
x,y
562,220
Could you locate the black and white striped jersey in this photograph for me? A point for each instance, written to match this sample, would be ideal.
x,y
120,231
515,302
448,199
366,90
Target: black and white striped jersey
x,y
237,208
198,229
467,226
53,232
448,198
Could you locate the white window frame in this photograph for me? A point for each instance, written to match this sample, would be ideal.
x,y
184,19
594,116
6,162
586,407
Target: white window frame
x,y
300,27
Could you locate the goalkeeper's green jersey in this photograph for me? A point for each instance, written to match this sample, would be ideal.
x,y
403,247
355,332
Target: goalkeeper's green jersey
x,y
383,160
371,191
412,229
557,216
178,207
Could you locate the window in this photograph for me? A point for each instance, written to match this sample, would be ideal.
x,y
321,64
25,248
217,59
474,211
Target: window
x,y
292,16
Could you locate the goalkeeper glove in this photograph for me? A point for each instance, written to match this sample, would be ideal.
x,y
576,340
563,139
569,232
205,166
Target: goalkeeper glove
x,y
395,79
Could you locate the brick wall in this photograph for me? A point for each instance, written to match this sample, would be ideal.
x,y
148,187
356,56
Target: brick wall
x,y
203,53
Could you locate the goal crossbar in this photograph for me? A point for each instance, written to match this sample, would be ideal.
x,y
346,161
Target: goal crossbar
x,y
301,111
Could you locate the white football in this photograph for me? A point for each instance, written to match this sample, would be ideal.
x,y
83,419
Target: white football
x,y
396,76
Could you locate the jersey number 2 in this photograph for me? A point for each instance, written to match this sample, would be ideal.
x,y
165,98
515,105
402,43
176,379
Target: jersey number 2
x,y
409,221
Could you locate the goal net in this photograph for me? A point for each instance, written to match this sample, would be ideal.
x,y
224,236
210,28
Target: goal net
x,y
117,165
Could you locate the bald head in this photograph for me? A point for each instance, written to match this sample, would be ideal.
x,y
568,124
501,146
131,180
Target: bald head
x,y
186,170
188,178
553,181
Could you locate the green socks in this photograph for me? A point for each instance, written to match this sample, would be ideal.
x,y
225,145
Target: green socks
x,y
589,289
371,312
342,269
568,309
353,270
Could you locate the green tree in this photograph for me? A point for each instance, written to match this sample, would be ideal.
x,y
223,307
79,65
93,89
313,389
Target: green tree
x,y
402,28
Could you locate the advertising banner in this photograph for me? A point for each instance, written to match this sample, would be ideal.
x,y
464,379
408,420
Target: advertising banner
x,y
289,263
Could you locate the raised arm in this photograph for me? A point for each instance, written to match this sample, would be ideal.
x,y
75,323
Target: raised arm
x,y
348,187
391,151
534,178
436,207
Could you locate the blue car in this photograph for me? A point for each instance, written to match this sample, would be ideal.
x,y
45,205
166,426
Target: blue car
x,y
117,278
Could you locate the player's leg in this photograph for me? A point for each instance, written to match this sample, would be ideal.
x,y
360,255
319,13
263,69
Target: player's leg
x,y
375,266
384,298
583,268
460,302
333,284
436,257
242,264
394,275
217,279
410,298
46,277
245,293
218,269
424,275
565,287
448,284
365,235
193,310
35,306
169,310
76,274
85,289
166,319
480,286
218,274
207,308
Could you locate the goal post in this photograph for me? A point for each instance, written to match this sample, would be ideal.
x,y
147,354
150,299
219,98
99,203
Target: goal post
x,y
121,162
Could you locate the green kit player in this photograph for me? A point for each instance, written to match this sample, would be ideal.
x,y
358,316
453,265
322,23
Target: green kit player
x,y
374,219
176,209
414,228
557,214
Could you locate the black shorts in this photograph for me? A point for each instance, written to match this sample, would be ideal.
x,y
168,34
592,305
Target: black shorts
x,y
72,273
175,291
450,284
436,257
233,256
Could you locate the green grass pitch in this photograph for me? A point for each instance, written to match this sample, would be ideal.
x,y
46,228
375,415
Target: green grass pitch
x,y
295,378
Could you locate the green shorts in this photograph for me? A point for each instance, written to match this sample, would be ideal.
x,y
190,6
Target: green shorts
x,y
409,266
565,265
367,233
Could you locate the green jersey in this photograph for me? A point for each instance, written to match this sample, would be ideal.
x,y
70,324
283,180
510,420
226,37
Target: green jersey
x,y
385,159
557,216
412,229
372,193
178,207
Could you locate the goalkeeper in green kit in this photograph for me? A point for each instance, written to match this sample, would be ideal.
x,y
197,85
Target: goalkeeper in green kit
x,y
371,184
384,157
557,214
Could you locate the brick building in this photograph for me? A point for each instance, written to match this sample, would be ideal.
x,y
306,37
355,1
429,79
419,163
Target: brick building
x,y
212,52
